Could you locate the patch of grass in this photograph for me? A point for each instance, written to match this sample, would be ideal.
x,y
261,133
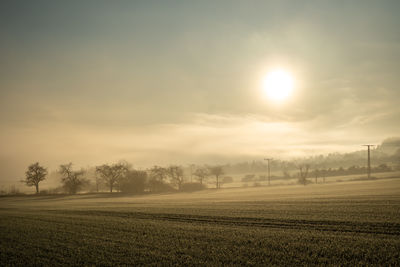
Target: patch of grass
x,y
210,229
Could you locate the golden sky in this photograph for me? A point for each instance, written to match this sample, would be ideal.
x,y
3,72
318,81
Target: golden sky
x,y
159,82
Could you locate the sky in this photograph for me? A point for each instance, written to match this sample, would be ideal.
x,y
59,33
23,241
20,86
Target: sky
x,y
179,82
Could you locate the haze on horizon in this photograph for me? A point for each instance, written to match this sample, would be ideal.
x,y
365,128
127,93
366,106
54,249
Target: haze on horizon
x,y
159,82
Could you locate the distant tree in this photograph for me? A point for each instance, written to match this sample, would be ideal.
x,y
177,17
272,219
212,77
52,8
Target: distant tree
x,y
382,168
156,179
191,169
158,173
34,175
303,172
396,158
176,175
72,180
111,174
201,174
13,190
98,181
217,171
285,170
133,181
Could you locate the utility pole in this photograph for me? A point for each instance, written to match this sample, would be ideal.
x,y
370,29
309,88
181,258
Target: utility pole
x,y
269,170
369,160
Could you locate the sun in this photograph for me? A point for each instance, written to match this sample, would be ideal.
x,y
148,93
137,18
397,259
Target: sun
x,y
278,85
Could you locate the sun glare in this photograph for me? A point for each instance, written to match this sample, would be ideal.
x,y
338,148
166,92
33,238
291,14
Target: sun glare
x,y
278,85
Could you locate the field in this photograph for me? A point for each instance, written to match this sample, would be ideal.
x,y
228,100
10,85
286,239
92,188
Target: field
x,y
347,223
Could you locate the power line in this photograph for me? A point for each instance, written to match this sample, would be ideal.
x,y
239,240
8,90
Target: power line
x,y
369,160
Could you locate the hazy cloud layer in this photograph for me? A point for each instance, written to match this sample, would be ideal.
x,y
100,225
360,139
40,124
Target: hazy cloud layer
x,y
164,82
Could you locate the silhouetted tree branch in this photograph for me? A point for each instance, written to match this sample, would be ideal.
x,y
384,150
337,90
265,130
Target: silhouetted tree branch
x,y
176,175
201,174
133,181
303,172
111,174
72,180
34,175
217,171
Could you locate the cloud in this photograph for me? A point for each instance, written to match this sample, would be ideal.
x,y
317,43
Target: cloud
x,y
186,89
203,138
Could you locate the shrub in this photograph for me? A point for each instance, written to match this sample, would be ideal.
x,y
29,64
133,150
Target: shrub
x,y
133,182
156,186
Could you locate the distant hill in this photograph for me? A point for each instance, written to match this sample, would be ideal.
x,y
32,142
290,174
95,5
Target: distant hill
x,y
390,146
388,152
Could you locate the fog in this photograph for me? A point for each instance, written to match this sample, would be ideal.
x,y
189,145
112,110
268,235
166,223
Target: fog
x,y
200,133
160,84
207,139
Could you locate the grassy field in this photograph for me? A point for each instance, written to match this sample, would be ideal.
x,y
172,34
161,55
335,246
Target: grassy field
x,y
347,223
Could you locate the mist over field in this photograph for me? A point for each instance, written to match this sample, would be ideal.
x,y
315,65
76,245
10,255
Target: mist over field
x,y
179,83
199,133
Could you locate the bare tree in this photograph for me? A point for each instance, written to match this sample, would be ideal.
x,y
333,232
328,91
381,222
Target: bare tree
x,y
191,167
110,174
201,174
34,175
133,181
98,181
285,170
158,173
176,174
303,172
72,180
157,176
217,171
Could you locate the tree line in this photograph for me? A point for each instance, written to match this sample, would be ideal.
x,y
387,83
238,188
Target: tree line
x,y
122,177
304,173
